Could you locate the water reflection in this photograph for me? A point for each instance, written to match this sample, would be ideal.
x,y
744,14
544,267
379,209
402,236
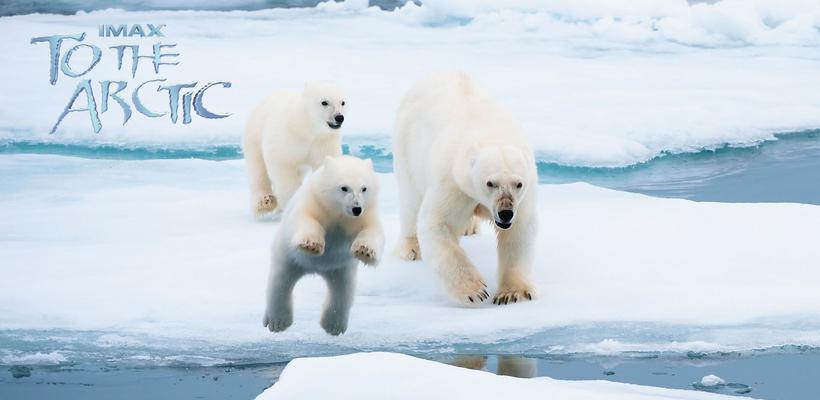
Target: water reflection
x,y
517,366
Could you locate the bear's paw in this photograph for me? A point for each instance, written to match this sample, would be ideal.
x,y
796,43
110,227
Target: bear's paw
x,y
311,245
408,249
467,286
474,228
332,324
277,322
364,252
265,204
513,294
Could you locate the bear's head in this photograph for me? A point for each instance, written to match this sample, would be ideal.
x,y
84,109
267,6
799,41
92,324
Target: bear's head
x,y
348,185
325,105
500,178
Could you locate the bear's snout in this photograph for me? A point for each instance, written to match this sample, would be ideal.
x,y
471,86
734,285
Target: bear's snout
x,y
339,118
505,215
356,211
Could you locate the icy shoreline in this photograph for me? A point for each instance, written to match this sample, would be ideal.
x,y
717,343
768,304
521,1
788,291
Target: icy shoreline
x,y
377,375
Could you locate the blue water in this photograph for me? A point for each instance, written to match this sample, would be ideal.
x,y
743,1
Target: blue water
x,y
780,170
157,369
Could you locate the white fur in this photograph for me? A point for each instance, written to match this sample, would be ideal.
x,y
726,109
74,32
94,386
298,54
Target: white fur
x,y
320,234
286,136
450,140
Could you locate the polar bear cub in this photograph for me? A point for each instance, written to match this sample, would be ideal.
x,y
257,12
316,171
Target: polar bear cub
x,y
287,135
459,155
331,223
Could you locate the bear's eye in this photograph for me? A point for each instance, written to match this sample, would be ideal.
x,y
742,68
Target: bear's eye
x,y
324,103
343,102
489,184
519,185
344,188
364,189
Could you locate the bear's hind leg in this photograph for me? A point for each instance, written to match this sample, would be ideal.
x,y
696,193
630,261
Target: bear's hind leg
x,y
279,311
408,246
286,180
262,199
341,284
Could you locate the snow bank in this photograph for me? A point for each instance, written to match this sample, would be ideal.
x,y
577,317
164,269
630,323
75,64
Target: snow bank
x,y
595,83
396,376
167,248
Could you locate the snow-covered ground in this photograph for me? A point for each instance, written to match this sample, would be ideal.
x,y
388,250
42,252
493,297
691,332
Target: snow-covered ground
x,y
166,249
378,375
596,83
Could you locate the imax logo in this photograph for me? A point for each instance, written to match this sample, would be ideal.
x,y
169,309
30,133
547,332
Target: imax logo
x,y
107,30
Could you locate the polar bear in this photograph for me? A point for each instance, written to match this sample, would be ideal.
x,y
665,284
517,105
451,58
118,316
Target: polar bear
x,y
458,156
331,222
287,135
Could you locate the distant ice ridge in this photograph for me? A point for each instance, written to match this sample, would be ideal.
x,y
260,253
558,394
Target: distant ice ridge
x,y
609,83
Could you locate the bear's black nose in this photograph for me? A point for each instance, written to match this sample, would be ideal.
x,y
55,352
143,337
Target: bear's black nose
x,y
339,118
357,211
505,215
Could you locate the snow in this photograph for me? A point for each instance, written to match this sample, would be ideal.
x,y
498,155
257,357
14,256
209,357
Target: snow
x,y
37,358
144,250
596,83
380,375
712,381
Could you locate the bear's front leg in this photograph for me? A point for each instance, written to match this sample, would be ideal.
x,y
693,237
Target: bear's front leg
x,y
279,310
440,226
515,254
368,245
341,283
309,235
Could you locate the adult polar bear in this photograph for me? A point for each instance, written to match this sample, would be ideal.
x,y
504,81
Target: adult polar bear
x,y
458,154
287,135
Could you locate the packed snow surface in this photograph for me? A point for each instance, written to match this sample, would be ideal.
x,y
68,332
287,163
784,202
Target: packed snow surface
x,y
168,249
595,83
388,375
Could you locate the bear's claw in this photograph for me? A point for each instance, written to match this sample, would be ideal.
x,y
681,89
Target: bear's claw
x,y
504,297
472,291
